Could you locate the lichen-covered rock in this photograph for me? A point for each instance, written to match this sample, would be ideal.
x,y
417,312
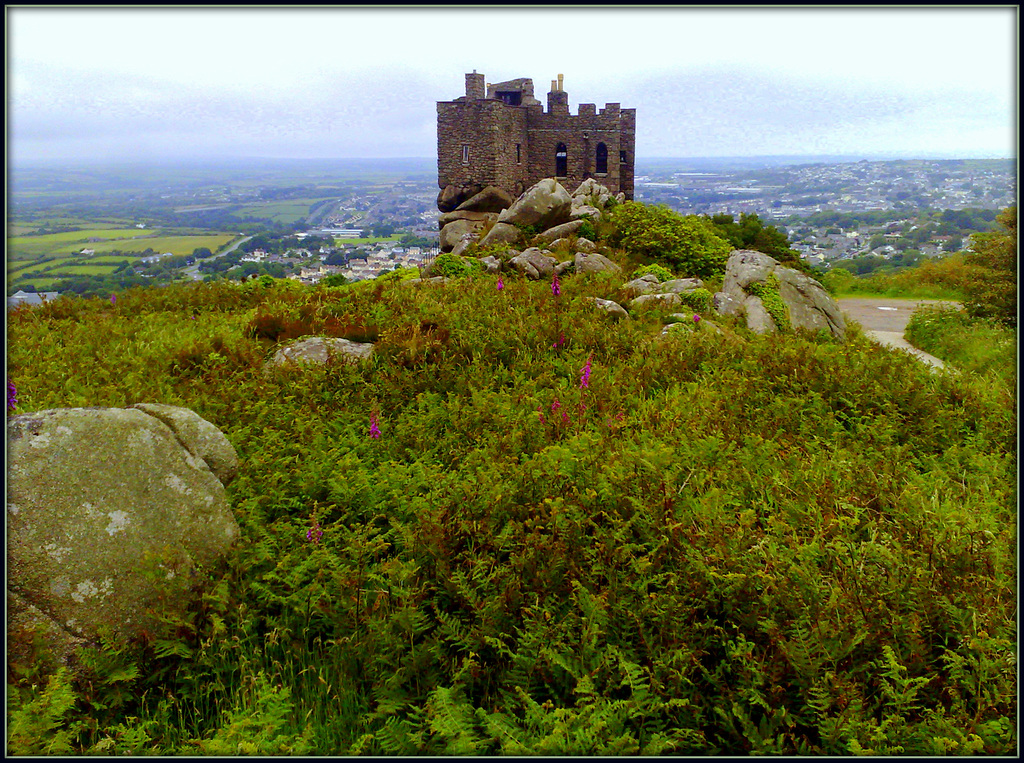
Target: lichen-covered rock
x,y
656,300
559,231
451,196
456,230
645,284
543,205
681,285
502,233
321,349
806,303
459,214
594,263
111,513
490,199
614,309
534,264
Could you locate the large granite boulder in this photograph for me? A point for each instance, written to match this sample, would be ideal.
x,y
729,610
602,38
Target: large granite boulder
x,y
458,214
320,350
543,206
534,264
594,263
112,514
755,285
502,233
456,231
564,230
490,199
451,196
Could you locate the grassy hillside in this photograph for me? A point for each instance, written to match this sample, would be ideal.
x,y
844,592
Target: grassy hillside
x,y
719,543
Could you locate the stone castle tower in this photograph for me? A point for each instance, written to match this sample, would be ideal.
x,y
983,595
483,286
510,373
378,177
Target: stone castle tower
x,y
500,135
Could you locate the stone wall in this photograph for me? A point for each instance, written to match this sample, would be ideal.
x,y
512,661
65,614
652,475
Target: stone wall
x,y
513,147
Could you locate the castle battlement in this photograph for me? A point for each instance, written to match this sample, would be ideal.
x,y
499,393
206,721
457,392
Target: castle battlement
x,y
501,135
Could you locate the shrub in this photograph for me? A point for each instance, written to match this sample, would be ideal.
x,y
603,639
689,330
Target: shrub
x,y
587,230
698,299
768,292
663,273
656,234
449,266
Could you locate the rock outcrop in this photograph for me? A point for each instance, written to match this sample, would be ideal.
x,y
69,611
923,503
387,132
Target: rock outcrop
x,y
112,513
542,206
767,293
320,350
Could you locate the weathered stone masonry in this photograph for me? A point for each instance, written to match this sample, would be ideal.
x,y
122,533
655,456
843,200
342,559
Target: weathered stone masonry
x,y
500,135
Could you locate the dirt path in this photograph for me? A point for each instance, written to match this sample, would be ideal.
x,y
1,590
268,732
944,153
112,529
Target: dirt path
x,y
884,320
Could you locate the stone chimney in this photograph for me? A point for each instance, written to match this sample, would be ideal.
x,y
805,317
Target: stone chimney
x,y
475,86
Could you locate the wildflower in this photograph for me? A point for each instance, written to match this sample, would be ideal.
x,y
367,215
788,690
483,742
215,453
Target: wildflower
x,y
315,533
585,378
696,319
374,430
501,284
560,341
556,287
540,414
555,405
565,417
12,396
113,299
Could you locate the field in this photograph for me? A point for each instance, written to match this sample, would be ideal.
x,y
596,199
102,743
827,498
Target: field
x,y
571,536
57,256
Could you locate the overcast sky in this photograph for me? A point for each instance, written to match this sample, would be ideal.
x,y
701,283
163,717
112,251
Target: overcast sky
x,y
142,84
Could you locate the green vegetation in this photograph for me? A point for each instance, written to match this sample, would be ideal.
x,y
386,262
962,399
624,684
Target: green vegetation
x,y
768,292
657,235
978,345
660,271
569,538
992,293
751,233
944,278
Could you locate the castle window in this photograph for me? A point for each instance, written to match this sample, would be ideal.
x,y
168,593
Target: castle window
x,y
561,161
622,157
519,159
510,97
465,153
601,159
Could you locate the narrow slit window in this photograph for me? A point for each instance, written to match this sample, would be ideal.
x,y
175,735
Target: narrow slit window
x,y
465,153
622,157
601,159
519,159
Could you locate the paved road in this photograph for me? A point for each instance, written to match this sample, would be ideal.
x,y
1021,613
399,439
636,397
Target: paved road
x,y
193,270
884,320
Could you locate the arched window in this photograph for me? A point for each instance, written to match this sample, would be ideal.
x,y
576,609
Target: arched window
x,y
601,160
561,161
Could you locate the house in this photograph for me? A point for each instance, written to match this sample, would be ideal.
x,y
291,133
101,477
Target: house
x,y
30,298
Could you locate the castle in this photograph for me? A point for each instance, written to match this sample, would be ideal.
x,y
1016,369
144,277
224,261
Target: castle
x,y
499,135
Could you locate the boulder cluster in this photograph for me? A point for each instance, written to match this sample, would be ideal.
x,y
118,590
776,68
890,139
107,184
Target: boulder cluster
x,y
546,216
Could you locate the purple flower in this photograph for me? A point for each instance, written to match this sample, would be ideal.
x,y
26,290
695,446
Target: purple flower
x,y
113,299
555,405
374,430
315,533
585,379
501,284
696,318
540,414
560,341
12,396
556,287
